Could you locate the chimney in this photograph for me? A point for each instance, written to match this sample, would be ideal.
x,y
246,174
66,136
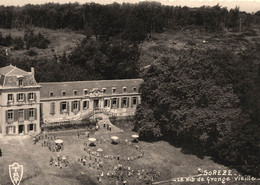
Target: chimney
x,y
32,71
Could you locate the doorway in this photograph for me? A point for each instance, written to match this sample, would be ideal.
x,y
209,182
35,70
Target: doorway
x,y
21,129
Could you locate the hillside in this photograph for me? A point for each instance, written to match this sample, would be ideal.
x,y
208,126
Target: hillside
x,y
171,43
60,41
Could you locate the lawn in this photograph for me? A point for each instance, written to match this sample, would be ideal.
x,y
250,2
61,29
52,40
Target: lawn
x,y
159,156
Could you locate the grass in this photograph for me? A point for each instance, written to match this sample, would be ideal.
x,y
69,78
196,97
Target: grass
x,y
160,156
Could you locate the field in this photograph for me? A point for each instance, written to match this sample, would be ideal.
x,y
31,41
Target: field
x,y
161,157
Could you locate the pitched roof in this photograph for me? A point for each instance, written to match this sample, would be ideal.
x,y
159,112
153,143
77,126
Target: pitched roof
x,y
9,76
12,71
69,87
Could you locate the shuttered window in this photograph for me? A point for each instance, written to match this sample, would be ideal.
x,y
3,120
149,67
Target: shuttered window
x,y
134,100
10,97
32,114
123,102
85,105
114,103
20,114
10,116
32,96
52,108
20,97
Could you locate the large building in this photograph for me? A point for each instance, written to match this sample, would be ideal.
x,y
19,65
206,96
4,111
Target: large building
x,y
24,102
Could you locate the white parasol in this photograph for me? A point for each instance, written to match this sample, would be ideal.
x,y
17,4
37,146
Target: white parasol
x,y
135,136
92,139
58,141
114,138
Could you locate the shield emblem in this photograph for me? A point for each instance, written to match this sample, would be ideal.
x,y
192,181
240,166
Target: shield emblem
x,y
16,173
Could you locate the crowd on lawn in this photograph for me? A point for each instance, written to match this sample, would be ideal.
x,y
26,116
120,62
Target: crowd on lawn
x,y
59,161
49,142
121,172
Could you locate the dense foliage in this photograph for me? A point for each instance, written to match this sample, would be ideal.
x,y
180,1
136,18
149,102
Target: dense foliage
x,y
29,40
207,102
131,21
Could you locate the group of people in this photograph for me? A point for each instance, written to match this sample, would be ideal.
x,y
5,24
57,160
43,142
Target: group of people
x,y
148,175
59,161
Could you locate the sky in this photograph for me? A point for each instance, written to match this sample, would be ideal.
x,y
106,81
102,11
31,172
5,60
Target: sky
x,y
245,5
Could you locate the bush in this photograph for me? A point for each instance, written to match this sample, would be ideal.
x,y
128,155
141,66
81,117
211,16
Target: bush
x,y
31,53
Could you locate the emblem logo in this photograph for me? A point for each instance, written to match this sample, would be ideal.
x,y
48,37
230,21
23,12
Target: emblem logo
x,y
16,173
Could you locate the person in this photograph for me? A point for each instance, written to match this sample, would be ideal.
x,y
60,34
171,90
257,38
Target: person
x,y
51,160
78,134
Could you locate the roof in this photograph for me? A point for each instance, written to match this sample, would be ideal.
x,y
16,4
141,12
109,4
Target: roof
x,y
12,71
10,75
69,87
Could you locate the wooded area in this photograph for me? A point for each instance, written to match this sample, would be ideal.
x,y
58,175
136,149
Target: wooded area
x,y
204,101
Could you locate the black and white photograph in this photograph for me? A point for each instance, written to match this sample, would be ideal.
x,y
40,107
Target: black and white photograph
x,y
129,92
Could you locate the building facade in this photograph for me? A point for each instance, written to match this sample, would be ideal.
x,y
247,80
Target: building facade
x,y
23,102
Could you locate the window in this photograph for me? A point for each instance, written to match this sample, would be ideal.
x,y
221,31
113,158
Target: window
x,y
21,114
124,103
52,108
85,104
134,101
75,93
105,103
51,94
20,97
124,89
31,113
64,106
85,92
10,115
10,129
114,102
31,96
104,90
134,89
75,105
20,82
10,97
63,93
114,90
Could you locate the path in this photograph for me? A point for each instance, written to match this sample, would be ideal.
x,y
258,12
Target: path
x,y
103,130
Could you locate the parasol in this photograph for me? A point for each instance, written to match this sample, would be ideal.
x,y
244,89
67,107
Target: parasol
x,y
58,141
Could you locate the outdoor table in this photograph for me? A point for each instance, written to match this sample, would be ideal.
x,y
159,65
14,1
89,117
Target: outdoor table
x,y
135,137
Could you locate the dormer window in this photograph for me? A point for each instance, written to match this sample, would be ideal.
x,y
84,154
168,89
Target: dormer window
x,y
104,90
75,93
85,92
63,93
51,94
124,89
114,90
20,82
134,89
